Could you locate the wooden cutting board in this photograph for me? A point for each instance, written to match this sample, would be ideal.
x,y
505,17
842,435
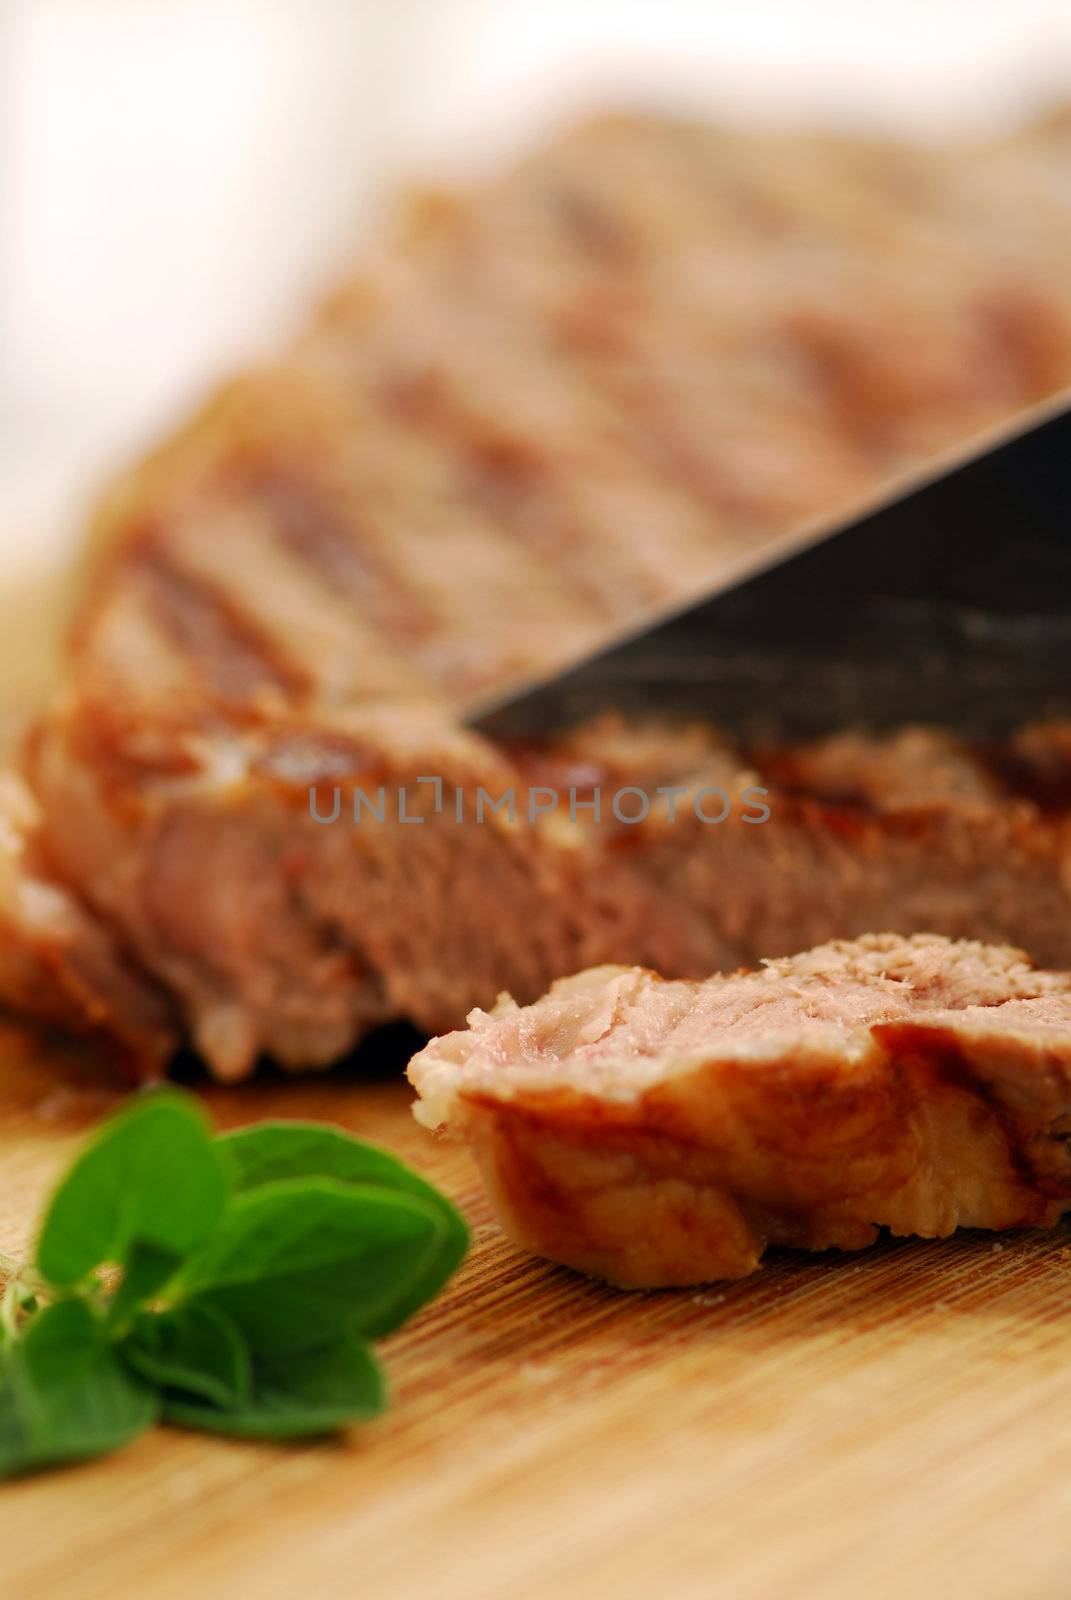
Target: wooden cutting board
x,y
888,1424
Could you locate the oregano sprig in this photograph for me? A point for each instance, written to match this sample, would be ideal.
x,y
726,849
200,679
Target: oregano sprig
x,y
229,1283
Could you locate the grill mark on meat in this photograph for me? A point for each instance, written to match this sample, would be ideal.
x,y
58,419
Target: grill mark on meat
x,y
589,223
610,321
514,489
344,558
526,487
692,474
601,343
665,449
226,644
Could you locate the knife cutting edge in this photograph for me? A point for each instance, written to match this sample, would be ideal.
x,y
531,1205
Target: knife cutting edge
x,y
947,601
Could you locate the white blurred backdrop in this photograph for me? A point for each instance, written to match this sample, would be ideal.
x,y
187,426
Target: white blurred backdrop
x,y
176,176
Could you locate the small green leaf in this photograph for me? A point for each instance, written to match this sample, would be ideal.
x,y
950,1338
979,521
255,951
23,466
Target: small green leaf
x,y
194,1348
301,1262
152,1176
64,1394
318,1392
270,1151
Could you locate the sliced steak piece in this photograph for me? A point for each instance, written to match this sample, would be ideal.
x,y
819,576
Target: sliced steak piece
x,y
913,832
655,1133
205,836
62,964
190,831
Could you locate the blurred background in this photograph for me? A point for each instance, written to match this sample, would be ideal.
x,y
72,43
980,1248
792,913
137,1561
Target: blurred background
x,y
177,176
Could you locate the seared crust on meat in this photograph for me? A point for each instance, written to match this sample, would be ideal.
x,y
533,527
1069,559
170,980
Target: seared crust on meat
x,y
658,1133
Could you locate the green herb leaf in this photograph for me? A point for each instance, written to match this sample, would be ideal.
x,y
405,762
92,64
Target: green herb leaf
x,y
300,1262
193,1348
317,1393
253,1269
64,1394
152,1176
270,1151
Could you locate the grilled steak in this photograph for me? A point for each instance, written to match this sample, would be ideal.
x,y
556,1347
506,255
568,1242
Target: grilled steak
x,y
207,842
577,391
535,409
911,832
653,1132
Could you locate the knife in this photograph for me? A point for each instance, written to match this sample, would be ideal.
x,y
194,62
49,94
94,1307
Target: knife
x,y
945,601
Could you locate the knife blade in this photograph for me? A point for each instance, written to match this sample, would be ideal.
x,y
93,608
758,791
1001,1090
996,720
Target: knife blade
x,y
946,601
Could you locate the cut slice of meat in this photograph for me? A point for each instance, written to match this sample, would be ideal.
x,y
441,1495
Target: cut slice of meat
x,y
912,832
62,964
189,831
656,1133
915,831
294,881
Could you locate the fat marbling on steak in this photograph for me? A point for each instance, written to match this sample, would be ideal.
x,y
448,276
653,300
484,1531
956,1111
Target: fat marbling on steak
x,y
655,1132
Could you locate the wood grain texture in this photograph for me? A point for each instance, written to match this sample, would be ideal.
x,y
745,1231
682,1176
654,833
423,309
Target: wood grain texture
x,y
888,1424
